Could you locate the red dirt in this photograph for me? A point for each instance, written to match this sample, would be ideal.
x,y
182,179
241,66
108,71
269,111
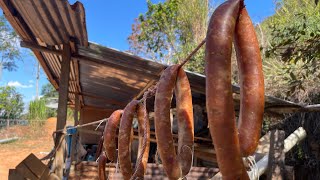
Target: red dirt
x,y
31,140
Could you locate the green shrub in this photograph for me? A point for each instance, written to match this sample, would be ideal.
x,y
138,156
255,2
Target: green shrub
x,y
38,112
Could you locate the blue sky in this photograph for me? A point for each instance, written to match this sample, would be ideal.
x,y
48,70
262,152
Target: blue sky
x,y
109,24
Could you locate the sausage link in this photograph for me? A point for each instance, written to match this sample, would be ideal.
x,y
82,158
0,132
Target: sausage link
x,y
251,84
124,140
185,121
144,140
162,122
109,135
100,147
102,166
219,101
172,78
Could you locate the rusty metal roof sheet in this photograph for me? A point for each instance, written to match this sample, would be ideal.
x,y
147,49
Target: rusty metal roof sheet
x,y
52,21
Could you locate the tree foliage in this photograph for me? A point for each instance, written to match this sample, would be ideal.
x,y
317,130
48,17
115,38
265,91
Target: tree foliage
x,y
38,110
11,103
170,30
48,91
9,48
49,94
293,50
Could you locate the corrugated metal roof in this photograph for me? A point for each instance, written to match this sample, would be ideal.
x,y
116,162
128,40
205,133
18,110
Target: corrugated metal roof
x,y
52,21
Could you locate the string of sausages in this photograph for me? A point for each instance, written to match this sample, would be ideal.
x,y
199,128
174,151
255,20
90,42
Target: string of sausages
x,y
230,23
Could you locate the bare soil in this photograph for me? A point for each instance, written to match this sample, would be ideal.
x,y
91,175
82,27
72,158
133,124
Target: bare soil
x,y
32,139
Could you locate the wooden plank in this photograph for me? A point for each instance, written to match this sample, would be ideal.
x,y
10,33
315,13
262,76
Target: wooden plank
x,y
35,165
113,84
23,169
36,47
125,58
92,57
15,175
101,105
32,167
62,107
101,98
276,164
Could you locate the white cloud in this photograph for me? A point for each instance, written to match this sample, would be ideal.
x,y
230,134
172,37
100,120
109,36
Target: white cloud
x,y
30,81
19,85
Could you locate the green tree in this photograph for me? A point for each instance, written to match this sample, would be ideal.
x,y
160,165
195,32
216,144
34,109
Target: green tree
x,y
11,103
169,30
9,47
49,94
48,91
293,50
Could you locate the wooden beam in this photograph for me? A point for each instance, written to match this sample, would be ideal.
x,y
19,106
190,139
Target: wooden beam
x,y
64,87
62,106
36,47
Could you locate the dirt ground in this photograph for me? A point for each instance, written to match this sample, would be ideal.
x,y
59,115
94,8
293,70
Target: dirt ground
x,y
32,139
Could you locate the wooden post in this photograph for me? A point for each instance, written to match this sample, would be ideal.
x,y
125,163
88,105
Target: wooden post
x,y
276,164
62,108
75,137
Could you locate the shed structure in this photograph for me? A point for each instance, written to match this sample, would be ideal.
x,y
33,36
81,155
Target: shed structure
x,y
92,78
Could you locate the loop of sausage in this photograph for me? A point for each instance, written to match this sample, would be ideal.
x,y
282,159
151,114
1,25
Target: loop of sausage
x,y
185,121
99,149
174,167
144,142
125,140
162,122
102,166
110,133
251,84
219,101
